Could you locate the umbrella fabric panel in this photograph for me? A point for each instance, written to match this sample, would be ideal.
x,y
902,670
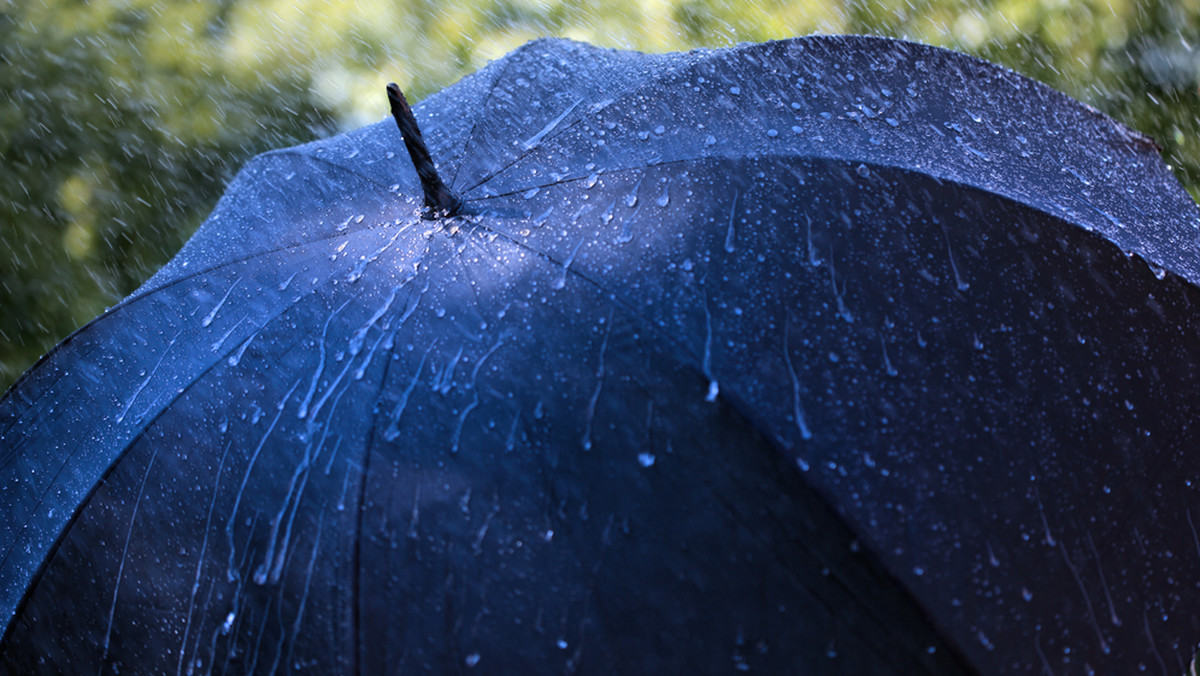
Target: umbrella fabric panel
x,y
161,345
171,598
952,369
284,199
884,102
90,398
620,509
475,538
268,485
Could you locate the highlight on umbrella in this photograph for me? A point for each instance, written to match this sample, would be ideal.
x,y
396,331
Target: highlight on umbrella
x,y
828,355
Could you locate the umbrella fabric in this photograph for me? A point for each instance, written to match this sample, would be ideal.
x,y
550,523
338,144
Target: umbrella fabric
x,y
838,354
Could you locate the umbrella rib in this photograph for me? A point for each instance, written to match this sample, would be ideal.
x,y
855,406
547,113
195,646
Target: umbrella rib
x,y
508,64
356,567
292,152
519,157
233,261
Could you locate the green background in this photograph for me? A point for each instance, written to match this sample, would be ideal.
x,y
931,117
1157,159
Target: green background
x,y
122,121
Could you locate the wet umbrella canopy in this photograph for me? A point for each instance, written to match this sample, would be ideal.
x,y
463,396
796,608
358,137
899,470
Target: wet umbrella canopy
x,y
831,355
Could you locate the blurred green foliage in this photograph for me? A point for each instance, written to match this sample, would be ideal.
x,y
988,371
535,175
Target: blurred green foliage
x,y
122,120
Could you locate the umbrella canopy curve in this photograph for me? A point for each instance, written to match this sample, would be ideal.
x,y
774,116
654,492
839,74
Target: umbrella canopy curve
x,y
835,353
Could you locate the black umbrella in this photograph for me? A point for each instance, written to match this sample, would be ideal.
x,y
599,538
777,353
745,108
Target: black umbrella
x,y
826,355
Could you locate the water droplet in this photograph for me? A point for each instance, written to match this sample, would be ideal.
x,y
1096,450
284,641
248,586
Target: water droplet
x,y
631,199
710,140
660,130
607,216
772,133
472,659
665,197
893,121
529,194
735,90
646,459
863,171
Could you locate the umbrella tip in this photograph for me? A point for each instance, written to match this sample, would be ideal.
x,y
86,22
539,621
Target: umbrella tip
x,y
442,202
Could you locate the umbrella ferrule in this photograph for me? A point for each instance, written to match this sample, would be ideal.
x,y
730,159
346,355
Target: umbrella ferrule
x,y
442,201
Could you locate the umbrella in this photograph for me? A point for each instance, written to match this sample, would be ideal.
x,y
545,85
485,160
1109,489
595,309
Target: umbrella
x,y
828,355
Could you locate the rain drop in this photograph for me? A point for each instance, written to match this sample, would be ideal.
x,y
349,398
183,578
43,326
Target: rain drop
x,y
607,216
631,199
730,234
665,197
562,279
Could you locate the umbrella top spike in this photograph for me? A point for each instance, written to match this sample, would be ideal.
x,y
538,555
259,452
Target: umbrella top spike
x,y
442,202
